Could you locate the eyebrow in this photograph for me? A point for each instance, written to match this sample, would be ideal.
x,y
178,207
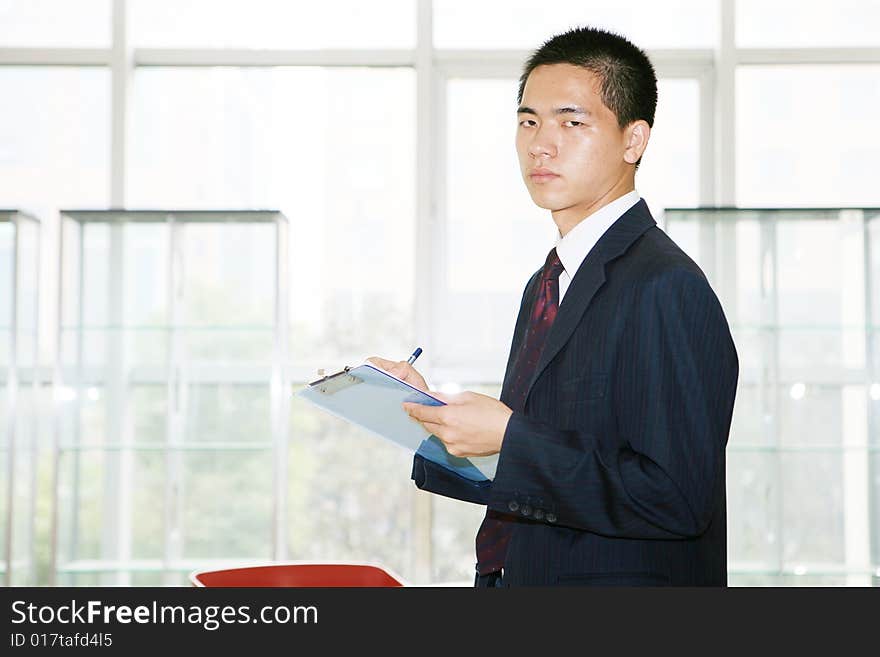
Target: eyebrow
x,y
569,109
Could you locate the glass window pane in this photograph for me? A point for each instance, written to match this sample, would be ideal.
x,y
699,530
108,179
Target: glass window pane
x,y
98,519
226,501
349,494
810,414
7,278
56,23
54,137
812,508
221,138
273,24
669,175
524,24
817,23
453,531
752,510
805,135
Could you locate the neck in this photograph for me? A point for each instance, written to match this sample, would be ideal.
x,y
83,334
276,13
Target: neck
x,y
567,218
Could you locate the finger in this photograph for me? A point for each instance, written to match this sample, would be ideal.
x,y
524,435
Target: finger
x,y
435,429
424,413
384,363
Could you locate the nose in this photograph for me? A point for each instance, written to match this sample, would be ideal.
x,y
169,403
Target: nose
x,y
542,144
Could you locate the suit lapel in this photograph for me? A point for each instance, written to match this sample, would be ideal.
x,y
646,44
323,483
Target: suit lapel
x,y
590,277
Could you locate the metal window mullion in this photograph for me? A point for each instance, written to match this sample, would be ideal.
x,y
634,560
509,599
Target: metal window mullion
x,y
280,395
121,69
872,377
772,343
77,387
11,397
57,414
268,58
172,530
427,254
725,106
55,56
35,389
119,464
805,56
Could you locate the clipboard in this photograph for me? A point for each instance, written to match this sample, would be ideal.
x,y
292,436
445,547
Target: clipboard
x,y
372,398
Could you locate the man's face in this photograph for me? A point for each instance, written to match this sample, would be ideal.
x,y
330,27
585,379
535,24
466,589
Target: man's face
x,y
570,147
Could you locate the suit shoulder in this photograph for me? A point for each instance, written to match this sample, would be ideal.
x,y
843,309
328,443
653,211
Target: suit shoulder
x,y
656,257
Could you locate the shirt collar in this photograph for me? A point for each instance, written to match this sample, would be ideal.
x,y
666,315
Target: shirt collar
x,y
574,247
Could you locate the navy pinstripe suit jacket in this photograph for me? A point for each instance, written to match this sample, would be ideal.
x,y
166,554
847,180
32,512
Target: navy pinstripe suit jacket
x,y
614,473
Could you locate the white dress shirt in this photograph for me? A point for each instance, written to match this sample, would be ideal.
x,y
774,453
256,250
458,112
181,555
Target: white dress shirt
x,y
574,247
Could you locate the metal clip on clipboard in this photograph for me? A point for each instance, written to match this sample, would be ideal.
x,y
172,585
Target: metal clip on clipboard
x,y
333,383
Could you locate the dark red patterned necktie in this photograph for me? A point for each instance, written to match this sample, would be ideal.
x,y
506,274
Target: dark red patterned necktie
x,y
494,534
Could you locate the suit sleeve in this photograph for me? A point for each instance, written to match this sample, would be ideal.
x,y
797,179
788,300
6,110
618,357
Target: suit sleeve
x,y
672,395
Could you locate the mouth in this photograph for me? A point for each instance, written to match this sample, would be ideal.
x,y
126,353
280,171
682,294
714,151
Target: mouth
x,y
542,175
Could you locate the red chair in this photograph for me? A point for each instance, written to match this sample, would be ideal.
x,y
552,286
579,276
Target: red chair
x,y
298,575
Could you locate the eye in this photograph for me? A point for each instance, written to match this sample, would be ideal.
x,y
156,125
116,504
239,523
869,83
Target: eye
x,y
572,124
527,123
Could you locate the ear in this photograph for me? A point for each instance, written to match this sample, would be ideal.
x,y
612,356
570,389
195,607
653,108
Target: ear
x,y
636,135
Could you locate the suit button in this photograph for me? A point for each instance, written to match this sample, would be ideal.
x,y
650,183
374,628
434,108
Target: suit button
x,y
539,514
513,505
551,517
526,510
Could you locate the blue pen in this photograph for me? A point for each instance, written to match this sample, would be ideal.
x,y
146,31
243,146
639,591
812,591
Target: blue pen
x,y
415,354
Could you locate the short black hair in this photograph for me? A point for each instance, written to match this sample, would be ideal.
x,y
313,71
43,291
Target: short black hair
x,y
627,77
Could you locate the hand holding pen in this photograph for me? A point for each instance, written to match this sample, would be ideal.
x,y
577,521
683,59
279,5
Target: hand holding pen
x,y
403,369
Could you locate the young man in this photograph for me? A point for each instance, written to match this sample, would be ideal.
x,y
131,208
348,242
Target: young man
x,y
617,400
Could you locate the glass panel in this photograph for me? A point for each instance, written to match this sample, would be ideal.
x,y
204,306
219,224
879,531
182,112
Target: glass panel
x,y
872,219
273,24
146,490
7,278
350,494
228,300
812,509
27,296
147,407
241,138
826,23
101,520
669,175
810,414
523,24
227,504
227,412
752,509
5,505
25,485
874,503
123,323
794,151
56,23
54,139
453,531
